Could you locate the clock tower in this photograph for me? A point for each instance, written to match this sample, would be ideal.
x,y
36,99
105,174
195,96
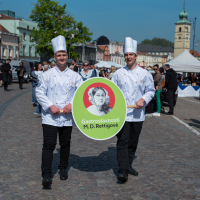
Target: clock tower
x,y
182,34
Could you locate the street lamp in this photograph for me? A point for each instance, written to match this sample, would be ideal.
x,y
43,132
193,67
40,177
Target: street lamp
x,y
71,36
194,24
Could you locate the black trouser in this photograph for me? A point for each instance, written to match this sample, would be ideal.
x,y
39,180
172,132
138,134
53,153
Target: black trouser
x,y
21,80
150,107
49,144
127,143
170,96
5,85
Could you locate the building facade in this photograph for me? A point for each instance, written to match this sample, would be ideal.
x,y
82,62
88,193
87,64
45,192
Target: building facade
x,y
100,54
182,34
9,47
22,28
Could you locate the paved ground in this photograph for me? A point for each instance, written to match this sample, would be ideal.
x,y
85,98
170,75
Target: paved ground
x,y
167,158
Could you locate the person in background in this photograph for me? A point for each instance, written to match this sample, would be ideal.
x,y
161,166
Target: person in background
x,y
1,75
158,79
92,67
46,67
36,75
112,71
86,73
71,67
198,80
76,68
171,85
20,73
179,78
6,69
44,63
49,64
53,64
189,78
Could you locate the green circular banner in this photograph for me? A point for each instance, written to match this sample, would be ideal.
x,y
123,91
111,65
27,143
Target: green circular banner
x,y
99,108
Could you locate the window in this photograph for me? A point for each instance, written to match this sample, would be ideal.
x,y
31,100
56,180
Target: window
x,y
10,53
180,29
27,27
179,37
30,38
24,50
186,38
4,52
30,51
24,36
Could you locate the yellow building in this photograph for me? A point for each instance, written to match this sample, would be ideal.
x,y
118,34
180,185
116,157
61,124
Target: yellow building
x,y
182,34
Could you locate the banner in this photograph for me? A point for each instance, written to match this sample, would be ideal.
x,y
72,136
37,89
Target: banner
x,y
99,109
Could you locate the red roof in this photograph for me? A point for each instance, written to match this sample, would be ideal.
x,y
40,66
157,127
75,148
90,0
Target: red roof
x,y
196,53
6,17
101,47
3,29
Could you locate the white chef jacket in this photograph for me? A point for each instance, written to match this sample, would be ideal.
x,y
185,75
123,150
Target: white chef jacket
x,y
135,84
57,88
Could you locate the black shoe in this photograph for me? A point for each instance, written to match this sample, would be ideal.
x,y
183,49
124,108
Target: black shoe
x,y
6,90
46,181
123,175
34,105
169,113
63,174
132,171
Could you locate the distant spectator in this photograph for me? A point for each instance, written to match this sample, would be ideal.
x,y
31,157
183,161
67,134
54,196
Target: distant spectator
x,y
6,69
171,85
1,75
112,71
53,64
198,80
49,64
71,67
20,73
46,67
158,80
36,76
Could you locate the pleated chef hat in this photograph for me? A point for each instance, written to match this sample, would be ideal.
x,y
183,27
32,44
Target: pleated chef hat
x,y
130,45
59,44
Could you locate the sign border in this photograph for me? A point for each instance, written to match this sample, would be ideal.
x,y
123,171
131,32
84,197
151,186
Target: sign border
x,y
75,120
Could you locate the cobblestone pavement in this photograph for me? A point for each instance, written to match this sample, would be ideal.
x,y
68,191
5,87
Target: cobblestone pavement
x,y
167,158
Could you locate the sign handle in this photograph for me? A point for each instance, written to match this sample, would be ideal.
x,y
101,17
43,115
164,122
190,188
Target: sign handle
x,y
131,106
128,106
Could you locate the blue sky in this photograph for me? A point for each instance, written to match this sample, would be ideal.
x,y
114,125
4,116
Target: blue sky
x,y
117,19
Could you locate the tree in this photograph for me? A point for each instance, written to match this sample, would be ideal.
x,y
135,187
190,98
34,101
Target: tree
x,y
158,42
102,40
54,20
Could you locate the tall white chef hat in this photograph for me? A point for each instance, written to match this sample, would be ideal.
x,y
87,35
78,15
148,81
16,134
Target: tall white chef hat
x,y
59,44
130,45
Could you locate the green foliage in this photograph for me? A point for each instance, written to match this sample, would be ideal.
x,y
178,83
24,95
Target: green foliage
x,y
54,20
158,42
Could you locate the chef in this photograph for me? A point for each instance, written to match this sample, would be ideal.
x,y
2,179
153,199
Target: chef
x,y
55,93
137,87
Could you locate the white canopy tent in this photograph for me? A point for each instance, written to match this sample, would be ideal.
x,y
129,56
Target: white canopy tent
x,y
107,64
185,62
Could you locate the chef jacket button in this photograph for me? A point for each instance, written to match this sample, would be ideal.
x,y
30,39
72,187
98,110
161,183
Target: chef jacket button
x,y
55,84
54,76
56,103
136,81
63,121
133,99
56,93
65,102
125,82
67,84
66,92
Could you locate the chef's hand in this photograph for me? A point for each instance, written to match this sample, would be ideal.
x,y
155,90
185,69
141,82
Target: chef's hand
x,y
140,104
67,108
55,110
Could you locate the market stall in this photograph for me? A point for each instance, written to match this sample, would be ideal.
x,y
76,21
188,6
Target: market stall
x,y
188,91
107,64
185,62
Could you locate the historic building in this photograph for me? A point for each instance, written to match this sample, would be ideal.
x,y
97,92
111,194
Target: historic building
x,y
105,50
9,47
156,50
182,34
22,28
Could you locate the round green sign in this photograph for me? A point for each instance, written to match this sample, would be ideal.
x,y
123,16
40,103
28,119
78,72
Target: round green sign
x,y
99,108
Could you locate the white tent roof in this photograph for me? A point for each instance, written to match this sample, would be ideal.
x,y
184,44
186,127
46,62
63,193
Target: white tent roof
x,y
107,64
185,62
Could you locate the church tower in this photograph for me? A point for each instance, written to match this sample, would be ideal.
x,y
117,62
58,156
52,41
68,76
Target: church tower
x,y
182,34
